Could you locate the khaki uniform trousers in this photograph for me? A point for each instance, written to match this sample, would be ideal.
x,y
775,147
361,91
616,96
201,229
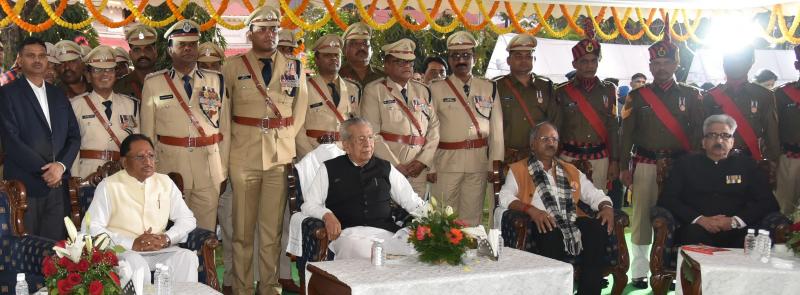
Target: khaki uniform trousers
x,y
464,192
788,190
203,201
225,216
420,183
259,200
599,171
645,195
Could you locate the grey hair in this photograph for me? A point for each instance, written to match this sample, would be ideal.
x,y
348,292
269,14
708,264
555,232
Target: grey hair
x,y
721,118
539,126
344,131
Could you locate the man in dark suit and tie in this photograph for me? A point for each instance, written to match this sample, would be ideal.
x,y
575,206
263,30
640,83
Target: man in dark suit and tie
x,y
41,138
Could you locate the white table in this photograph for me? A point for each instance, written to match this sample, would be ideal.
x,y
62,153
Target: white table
x,y
730,273
177,289
517,272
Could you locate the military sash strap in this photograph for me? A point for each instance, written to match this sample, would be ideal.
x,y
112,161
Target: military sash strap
x,y
406,110
792,93
327,101
588,112
665,116
745,130
103,122
521,102
185,106
261,87
466,107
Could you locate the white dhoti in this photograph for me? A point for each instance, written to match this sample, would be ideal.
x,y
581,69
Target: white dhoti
x,y
182,263
356,242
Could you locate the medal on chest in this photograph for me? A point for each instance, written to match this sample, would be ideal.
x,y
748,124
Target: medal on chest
x,y
682,103
753,106
127,123
539,96
210,103
289,78
605,101
483,102
733,179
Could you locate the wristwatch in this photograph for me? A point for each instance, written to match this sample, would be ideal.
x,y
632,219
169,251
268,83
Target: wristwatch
x,y
169,241
734,223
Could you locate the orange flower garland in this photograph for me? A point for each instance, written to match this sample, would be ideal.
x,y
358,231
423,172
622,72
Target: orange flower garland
x,y
28,26
107,22
414,27
463,19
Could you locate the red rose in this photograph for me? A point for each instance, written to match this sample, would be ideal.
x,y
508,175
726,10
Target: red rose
x,y
83,265
64,287
110,258
97,256
74,279
96,288
796,226
48,267
114,277
72,266
64,261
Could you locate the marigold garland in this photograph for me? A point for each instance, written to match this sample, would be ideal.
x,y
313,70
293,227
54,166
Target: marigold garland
x,y
287,23
463,19
17,10
335,15
620,24
62,23
15,17
414,27
492,25
367,18
301,23
606,37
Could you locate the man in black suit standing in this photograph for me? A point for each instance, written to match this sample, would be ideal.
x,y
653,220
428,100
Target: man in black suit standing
x,y
41,138
715,196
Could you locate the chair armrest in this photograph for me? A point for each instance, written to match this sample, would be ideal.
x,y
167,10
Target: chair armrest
x,y
27,253
514,229
74,188
315,239
663,228
778,226
204,243
621,221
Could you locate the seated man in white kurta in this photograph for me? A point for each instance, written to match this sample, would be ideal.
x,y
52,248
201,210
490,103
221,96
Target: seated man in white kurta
x,y
133,207
352,194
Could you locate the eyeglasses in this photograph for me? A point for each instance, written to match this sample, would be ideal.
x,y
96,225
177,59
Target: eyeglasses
x,y
548,139
271,29
101,70
142,158
464,55
715,136
365,139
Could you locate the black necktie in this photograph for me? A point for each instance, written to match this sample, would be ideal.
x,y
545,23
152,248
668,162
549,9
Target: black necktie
x,y
107,103
334,93
266,71
187,86
466,89
405,96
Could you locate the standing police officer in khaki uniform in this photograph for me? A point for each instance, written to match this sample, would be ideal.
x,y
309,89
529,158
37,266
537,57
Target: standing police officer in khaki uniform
x,y
402,116
470,131
71,70
526,98
787,100
141,41
211,56
287,42
269,99
331,98
183,110
588,121
357,53
105,118
660,121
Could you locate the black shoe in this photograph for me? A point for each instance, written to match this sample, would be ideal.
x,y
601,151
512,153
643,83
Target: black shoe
x,y
639,283
604,284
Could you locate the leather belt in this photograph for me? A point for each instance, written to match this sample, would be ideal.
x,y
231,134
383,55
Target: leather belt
x,y
190,141
406,139
100,155
323,136
660,154
268,123
466,144
583,148
791,147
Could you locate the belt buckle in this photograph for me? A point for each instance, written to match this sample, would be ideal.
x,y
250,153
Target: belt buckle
x,y
412,142
470,143
192,143
105,155
264,125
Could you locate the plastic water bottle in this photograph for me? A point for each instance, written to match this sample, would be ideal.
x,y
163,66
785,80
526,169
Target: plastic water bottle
x,y
750,242
22,285
166,281
157,278
765,245
377,256
501,244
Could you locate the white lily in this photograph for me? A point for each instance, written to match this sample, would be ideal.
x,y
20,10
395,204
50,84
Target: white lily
x,y
74,245
71,230
448,211
88,243
101,241
433,202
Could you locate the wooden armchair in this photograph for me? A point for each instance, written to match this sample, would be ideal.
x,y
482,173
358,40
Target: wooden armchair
x,y
201,241
518,231
19,251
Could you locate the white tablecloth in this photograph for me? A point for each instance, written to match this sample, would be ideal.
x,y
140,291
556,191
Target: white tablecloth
x,y
185,289
731,273
517,272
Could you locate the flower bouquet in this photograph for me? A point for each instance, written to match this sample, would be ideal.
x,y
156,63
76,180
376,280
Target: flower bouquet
x,y
438,236
81,265
793,237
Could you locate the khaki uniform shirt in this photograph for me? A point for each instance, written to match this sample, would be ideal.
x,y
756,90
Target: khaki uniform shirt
x,y
162,115
373,73
539,98
757,105
641,127
788,115
129,85
254,147
573,125
382,108
455,124
123,122
319,116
